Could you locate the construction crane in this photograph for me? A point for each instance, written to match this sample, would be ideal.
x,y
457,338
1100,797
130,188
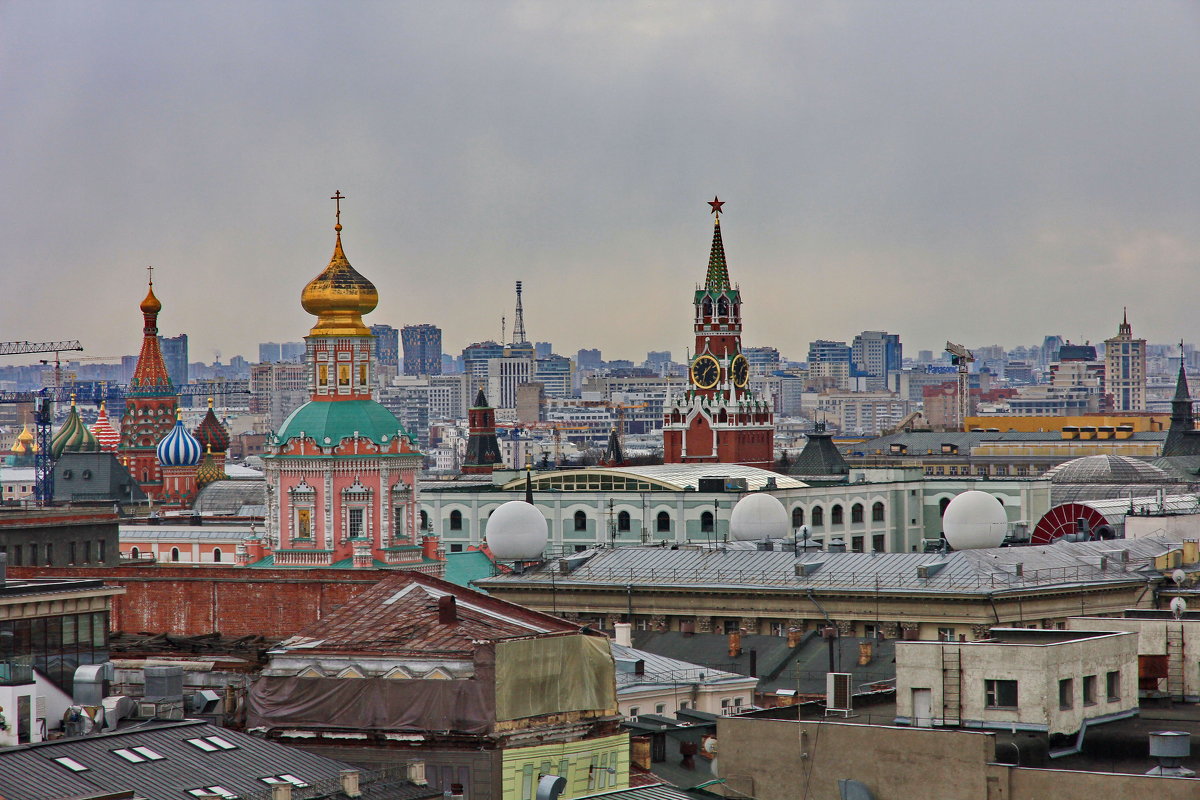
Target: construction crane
x,y
962,358
43,412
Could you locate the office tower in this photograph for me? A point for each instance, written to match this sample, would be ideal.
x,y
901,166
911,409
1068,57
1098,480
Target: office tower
x,y
269,353
543,349
589,359
875,354
387,345
175,356
1125,369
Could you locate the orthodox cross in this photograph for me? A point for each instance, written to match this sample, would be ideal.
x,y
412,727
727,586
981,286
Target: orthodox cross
x,y
337,198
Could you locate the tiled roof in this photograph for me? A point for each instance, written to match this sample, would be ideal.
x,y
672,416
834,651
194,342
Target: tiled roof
x,y
400,615
983,571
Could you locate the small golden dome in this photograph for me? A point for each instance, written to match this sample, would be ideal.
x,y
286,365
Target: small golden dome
x,y
151,304
339,296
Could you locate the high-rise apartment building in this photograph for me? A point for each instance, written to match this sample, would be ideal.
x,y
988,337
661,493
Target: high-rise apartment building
x,y
589,359
875,354
387,345
504,375
476,357
268,353
175,356
543,349
556,374
763,360
422,349
1125,369
824,351
277,390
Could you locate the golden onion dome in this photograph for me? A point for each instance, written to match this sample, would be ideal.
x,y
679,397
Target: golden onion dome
x,y
339,296
151,304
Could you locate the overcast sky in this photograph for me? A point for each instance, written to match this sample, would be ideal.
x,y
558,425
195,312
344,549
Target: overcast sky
x,y
987,172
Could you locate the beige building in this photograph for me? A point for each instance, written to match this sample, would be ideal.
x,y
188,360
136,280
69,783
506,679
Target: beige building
x,y
771,759
1168,648
1125,369
1054,682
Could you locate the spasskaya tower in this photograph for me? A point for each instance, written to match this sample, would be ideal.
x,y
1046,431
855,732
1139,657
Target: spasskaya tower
x,y
718,419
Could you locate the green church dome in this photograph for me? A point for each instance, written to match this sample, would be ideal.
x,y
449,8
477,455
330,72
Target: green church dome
x,y
329,422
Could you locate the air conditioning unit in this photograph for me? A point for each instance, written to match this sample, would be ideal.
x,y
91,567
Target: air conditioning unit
x,y
838,690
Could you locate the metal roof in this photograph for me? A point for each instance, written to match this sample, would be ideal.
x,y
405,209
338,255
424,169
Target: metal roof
x,y
30,772
675,477
399,615
195,532
660,669
969,571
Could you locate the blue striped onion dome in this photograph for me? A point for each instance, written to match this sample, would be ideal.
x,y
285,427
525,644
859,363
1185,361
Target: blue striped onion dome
x,y
179,448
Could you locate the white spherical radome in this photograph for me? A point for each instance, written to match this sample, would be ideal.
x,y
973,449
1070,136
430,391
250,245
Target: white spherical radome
x,y
974,520
516,531
757,517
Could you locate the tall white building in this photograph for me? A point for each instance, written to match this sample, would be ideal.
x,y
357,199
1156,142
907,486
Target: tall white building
x,y
1125,369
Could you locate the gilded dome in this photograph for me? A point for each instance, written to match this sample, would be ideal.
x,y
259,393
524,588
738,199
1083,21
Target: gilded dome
x,y
25,442
151,304
339,296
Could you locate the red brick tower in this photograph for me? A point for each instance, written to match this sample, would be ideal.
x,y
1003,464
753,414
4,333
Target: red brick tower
x,y
483,450
150,405
718,419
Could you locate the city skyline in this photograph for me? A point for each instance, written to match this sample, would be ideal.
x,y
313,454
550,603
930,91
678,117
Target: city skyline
x,y
940,172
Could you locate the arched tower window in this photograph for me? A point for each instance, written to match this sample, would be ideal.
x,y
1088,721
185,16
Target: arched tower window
x,y
706,522
708,307
623,521
135,553
217,554
580,521
722,307
174,553
662,522
424,520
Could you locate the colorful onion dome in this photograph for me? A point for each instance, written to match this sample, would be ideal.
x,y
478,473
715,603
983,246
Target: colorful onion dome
x,y
73,436
151,304
209,470
339,296
211,433
105,434
179,448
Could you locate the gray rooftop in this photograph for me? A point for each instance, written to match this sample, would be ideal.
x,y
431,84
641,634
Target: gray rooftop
x,y
30,772
992,570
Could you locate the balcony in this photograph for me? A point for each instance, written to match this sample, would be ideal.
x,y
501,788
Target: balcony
x,y
303,558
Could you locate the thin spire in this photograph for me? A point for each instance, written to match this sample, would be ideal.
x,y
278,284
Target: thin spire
x,y
717,279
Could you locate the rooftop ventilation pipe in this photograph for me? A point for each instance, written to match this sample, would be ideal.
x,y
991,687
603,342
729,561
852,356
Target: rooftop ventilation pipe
x,y
447,611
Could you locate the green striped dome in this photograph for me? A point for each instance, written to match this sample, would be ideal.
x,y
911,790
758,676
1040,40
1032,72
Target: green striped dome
x,y
73,437
328,422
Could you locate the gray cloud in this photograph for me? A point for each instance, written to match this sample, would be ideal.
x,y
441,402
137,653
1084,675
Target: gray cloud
x,y
983,172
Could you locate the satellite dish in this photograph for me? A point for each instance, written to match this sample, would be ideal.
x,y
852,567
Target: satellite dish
x,y
1178,607
1179,576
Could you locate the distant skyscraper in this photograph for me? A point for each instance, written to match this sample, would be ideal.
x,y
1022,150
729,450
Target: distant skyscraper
x,y
422,349
269,353
476,356
292,351
589,359
387,345
824,351
656,358
875,354
1050,346
175,356
763,360
1125,369
543,349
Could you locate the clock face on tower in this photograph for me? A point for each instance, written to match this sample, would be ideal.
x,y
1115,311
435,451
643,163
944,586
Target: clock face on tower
x,y
705,372
741,371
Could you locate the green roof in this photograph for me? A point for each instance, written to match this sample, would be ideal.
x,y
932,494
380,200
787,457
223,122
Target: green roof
x,y
328,422
462,568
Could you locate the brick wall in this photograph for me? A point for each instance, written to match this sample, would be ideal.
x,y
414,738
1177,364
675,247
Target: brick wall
x,y
233,601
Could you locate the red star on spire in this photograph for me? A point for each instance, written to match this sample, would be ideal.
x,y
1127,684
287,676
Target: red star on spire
x,y
716,205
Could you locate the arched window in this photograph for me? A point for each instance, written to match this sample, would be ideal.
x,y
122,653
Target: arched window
x,y
836,516
722,307
174,553
708,308
877,512
818,517
135,553
580,521
663,522
217,554
706,522
456,520
797,517
623,521
424,520
856,513
945,501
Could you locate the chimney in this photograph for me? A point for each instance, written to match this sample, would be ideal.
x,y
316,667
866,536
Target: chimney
x,y
753,663
416,773
794,635
623,634
447,614
429,547
281,791
735,644
350,780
